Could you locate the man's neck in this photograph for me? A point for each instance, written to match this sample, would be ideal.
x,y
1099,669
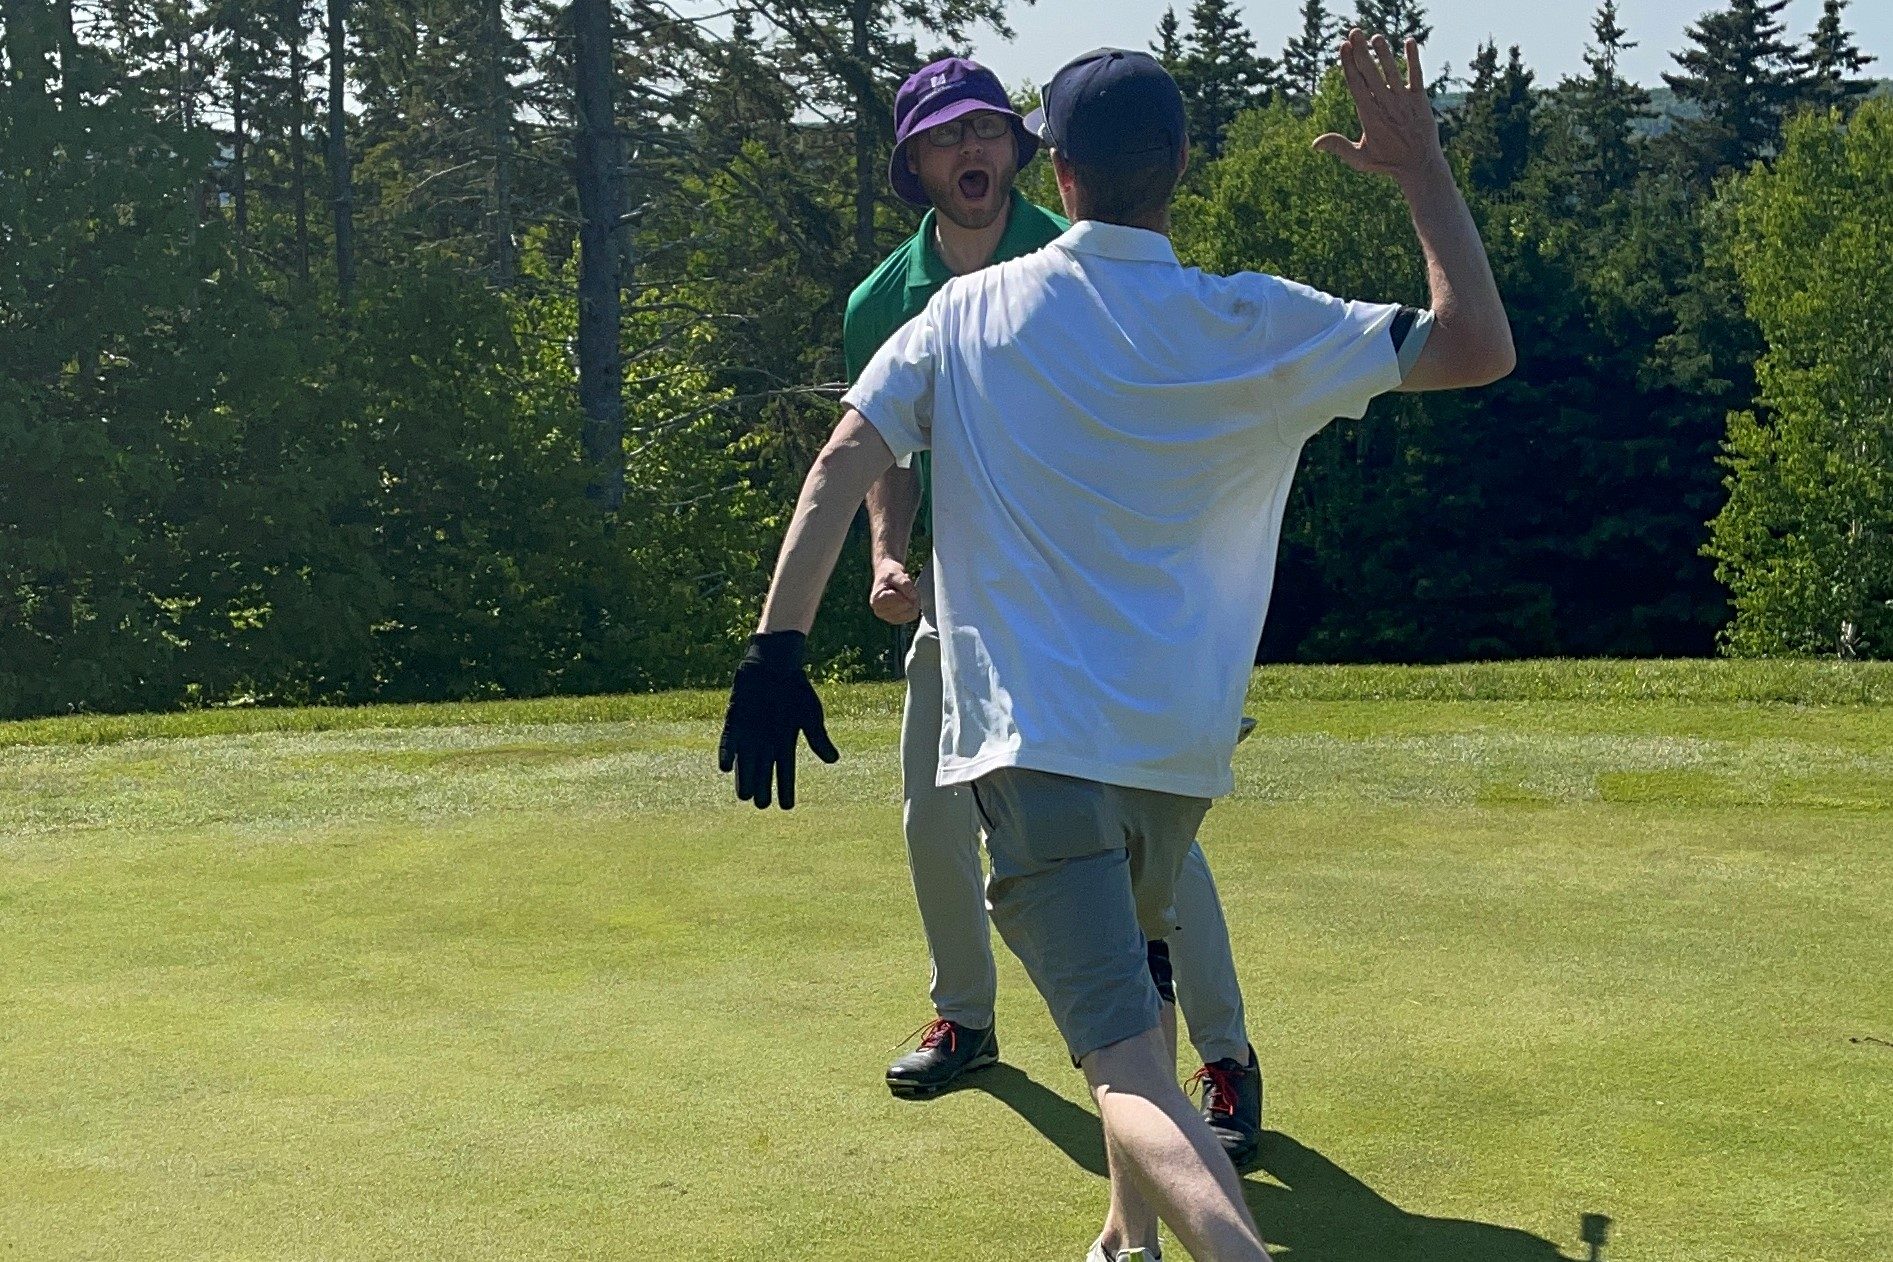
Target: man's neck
x,y
1158,223
966,250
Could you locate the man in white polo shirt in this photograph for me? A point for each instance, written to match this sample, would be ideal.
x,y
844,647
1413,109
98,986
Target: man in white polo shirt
x,y
1113,441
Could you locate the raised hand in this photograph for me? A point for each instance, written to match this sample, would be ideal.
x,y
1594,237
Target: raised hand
x,y
1399,134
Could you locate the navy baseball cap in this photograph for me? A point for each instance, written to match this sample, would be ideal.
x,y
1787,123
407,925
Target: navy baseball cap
x,y
940,92
1112,107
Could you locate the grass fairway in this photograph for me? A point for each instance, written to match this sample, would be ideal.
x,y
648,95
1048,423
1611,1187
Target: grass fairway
x,y
520,981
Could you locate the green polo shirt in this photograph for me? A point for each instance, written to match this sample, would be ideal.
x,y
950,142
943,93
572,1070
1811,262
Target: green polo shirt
x,y
900,288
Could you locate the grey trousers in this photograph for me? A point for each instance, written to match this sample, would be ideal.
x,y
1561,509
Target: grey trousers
x,y
942,828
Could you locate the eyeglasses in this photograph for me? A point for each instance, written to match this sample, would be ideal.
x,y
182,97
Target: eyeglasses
x,y
987,126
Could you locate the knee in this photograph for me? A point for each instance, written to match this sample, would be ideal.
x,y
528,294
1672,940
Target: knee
x,y
1135,1065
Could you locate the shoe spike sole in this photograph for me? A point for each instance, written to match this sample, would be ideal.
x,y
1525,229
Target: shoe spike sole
x,y
925,1091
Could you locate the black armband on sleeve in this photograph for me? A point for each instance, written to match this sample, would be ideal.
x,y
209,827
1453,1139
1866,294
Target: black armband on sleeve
x,y
1403,325
1410,329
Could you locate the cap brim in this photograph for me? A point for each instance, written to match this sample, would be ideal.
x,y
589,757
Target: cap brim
x,y
955,109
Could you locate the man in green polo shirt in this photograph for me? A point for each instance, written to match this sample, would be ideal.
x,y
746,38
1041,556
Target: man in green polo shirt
x,y
958,147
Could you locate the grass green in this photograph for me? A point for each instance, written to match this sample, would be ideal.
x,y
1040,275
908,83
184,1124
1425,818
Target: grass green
x,y
519,981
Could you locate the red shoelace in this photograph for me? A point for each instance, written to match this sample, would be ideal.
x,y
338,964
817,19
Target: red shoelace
x,y
1219,1088
932,1034
940,1032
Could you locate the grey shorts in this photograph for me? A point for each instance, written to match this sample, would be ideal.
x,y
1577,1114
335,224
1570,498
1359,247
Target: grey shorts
x,y
1083,878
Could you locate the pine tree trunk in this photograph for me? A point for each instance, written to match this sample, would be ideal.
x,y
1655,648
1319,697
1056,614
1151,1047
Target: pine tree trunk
x,y
500,110
24,42
342,193
600,364
865,180
238,173
298,105
186,115
68,58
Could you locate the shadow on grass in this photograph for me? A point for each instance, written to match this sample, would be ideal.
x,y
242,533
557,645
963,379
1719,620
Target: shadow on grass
x,y
1317,1212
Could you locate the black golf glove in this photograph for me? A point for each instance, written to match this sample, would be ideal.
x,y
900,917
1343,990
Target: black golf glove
x,y
772,703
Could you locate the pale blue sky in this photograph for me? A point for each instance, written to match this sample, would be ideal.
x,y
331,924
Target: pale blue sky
x,y
1551,33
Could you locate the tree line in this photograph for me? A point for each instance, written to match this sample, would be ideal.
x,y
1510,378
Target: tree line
x,y
364,349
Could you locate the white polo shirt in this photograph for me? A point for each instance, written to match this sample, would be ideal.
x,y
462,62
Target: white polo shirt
x,y
1113,441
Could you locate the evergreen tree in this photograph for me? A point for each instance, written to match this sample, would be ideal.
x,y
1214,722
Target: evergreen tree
x,y
1222,75
740,97
1309,55
1604,109
1832,62
1496,127
1168,49
1398,20
294,16
1484,81
1743,75
153,54
341,177
496,54
440,131
600,177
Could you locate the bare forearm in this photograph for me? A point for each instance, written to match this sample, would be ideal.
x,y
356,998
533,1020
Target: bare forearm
x,y
1471,340
892,502
851,462
809,552
1467,310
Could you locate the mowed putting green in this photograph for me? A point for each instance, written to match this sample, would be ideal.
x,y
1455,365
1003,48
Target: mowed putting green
x,y
520,981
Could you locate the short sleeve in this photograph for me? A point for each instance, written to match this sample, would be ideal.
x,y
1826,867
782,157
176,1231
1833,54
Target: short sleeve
x,y
1331,357
895,390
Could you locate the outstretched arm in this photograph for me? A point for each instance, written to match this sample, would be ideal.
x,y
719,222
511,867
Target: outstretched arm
x,y
1471,340
772,703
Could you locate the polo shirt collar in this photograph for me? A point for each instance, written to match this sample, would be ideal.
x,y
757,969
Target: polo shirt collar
x,y
1115,241
926,270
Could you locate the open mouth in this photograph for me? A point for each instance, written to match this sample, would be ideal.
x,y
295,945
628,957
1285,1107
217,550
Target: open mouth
x,y
974,185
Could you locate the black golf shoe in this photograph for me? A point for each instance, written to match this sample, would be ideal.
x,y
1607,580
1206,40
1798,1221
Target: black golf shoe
x,y
947,1051
1232,1104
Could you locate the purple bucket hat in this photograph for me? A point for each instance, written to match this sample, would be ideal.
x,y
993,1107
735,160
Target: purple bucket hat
x,y
939,93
